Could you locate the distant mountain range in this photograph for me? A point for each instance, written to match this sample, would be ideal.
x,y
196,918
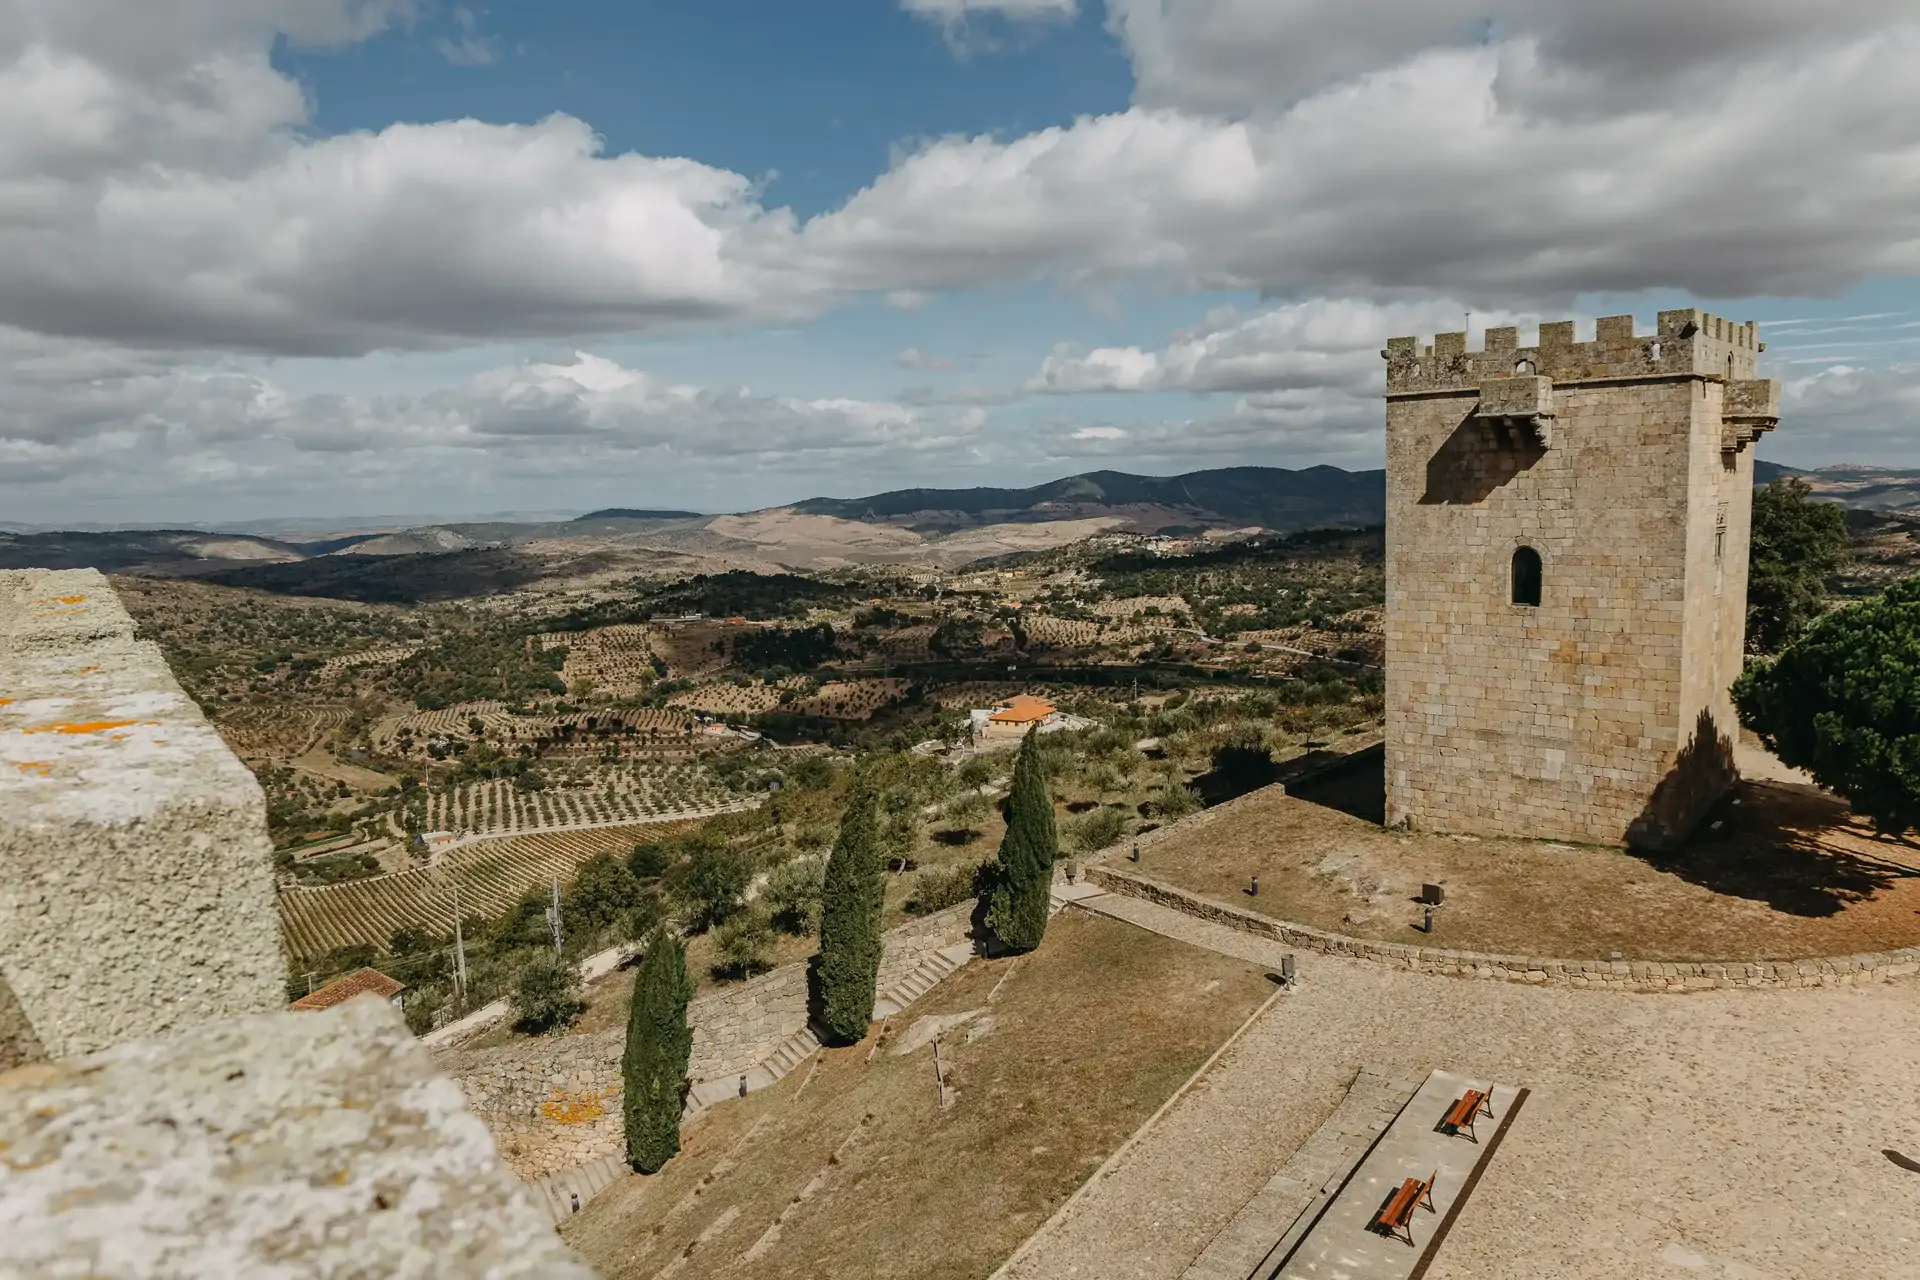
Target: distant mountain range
x,y
945,527
1265,497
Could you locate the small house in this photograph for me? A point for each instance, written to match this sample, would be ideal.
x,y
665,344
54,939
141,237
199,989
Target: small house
x,y
349,985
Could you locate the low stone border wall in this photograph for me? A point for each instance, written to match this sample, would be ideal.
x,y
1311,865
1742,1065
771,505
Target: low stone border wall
x,y
1616,975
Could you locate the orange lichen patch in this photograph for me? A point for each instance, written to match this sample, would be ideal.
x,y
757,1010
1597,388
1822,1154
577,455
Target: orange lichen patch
x,y
61,600
88,726
566,1108
41,767
86,671
57,613
6,702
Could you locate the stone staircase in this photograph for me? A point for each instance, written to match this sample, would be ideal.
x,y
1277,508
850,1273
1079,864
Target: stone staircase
x,y
564,1194
924,977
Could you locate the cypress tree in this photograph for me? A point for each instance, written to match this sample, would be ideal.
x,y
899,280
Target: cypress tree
x,y
850,905
1023,872
659,1043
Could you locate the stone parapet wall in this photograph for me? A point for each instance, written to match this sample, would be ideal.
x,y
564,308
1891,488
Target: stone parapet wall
x,y
554,1103
136,876
281,1144
1617,975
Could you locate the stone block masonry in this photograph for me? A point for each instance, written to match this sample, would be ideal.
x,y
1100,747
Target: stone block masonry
x,y
1583,694
284,1144
136,880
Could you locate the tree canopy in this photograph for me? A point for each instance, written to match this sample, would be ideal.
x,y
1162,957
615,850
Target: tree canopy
x,y
1843,703
852,898
1798,544
659,1046
1023,876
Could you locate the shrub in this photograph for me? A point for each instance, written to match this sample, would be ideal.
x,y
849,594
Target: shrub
x,y
938,888
659,1044
1099,828
1176,800
792,893
603,893
546,995
745,943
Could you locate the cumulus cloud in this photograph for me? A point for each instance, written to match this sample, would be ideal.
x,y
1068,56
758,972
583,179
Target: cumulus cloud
x,y
1430,175
1331,343
1238,55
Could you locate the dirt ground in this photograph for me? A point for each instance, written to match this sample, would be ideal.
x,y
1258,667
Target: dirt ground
x,y
1789,874
854,1170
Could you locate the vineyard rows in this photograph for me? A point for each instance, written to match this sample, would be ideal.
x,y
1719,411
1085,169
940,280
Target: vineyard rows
x,y
615,658
380,656
502,727
492,875
626,796
260,731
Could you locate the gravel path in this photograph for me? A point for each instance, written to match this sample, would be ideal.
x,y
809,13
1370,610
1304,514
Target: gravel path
x,y
1726,1135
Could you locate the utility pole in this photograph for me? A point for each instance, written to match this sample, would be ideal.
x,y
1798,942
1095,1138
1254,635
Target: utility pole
x,y
553,917
459,951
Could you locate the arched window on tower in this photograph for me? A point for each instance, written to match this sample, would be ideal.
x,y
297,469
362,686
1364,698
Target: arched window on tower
x,y
1526,576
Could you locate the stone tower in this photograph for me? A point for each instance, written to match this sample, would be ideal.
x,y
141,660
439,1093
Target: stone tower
x,y
1567,532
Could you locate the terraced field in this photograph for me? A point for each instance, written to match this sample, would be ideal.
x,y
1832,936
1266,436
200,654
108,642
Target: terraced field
x,y
852,699
728,699
492,875
380,656
631,793
617,659
1061,632
254,732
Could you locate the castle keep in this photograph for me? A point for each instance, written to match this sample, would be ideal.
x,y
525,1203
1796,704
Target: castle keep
x,y
1567,530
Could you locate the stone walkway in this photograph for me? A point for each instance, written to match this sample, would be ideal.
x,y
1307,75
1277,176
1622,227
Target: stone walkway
x,y
1731,1134
1275,1219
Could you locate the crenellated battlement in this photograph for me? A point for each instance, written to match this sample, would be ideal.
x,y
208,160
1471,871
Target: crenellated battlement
x,y
1685,343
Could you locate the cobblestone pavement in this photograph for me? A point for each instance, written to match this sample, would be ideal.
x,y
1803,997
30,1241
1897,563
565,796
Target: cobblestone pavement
x,y
1727,1134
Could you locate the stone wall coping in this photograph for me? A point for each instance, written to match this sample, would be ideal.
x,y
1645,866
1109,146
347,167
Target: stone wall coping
x,y
1637,975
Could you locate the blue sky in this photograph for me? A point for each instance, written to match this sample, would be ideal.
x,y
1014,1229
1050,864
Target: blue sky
x,y
337,257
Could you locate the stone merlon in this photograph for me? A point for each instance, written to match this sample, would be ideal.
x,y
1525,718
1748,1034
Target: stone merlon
x,y
136,877
1685,344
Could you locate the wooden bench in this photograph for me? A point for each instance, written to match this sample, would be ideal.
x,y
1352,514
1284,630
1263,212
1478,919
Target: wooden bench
x,y
1469,1107
1397,1214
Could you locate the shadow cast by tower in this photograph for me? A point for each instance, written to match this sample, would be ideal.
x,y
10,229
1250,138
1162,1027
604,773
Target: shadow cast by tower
x,y
1480,456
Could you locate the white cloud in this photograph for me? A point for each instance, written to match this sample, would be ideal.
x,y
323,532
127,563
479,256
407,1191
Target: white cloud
x,y
85,422
1099,433
956,18
1628,55
914,358
1433,175
470,49
1331,343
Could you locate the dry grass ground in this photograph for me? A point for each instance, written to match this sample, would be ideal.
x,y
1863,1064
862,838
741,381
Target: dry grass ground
x,y
854,1170
1790,874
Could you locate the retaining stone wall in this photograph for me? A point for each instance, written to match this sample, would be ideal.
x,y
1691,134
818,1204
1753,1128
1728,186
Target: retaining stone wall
x,y
554,1103
1617,975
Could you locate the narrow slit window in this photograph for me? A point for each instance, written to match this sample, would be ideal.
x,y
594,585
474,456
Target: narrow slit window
x,y
1526,576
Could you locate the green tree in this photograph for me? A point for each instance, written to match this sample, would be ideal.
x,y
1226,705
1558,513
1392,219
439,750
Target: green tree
x,y
547,993
659,1044
792,893
1843,703
1798,544
851,901
1023,876
713,882
603,893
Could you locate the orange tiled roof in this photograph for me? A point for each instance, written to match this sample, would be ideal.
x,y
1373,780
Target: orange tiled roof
x,y
347,986
1024,709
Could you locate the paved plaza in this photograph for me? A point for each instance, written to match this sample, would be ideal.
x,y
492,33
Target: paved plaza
x,y
1730,1135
